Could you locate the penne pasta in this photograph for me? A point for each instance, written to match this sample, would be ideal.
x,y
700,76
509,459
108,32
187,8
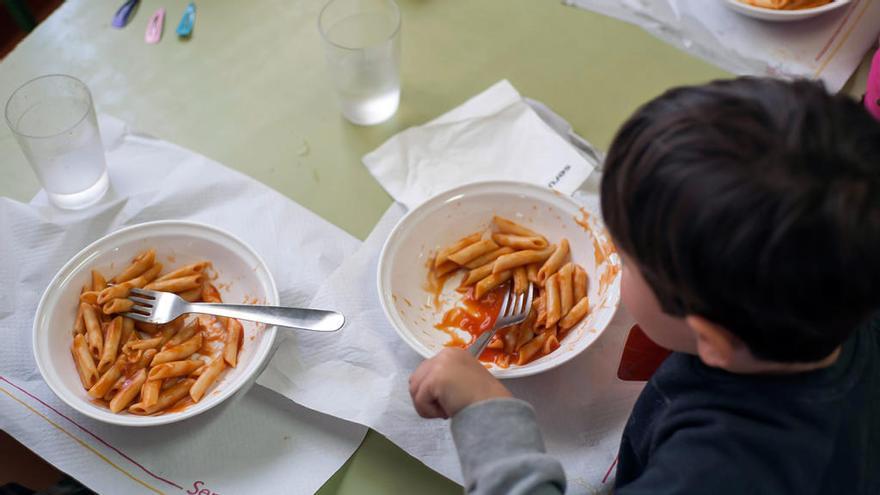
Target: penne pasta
x,y
576,314
136,345
541,309
484,286
98,281
525,335
150,392
473,251
210,294
179,351
503,361
111,345
89,297
488,257
553,303
115,388
234,338
521,258
192,295
113,292
554,262
519,242
150,328
167,398
141,263
460,244
148,276
531,349
117,306
207,378
506,226
174,369
185,271
94,335
176,284
126,371
551,343
447,267
566,288
532,272
130,389
515,255
580,283
185,333
85,364
520,280
104,384
477,274
79,325
128,332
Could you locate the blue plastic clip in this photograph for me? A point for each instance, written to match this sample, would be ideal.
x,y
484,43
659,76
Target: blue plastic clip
x,y
185,27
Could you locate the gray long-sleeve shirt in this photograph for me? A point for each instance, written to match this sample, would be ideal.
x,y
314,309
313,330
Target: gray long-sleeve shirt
x,y
700,430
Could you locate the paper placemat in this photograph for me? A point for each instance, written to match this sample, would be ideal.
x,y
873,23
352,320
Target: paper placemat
x,y
361,374
257,442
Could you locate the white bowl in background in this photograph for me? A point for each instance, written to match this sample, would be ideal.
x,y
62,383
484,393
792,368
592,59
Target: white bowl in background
x,y
451,215
783,15
243,278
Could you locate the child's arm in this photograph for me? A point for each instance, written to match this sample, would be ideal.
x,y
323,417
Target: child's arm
x,y
497,438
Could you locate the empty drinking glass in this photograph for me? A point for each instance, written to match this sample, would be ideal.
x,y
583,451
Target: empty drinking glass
x,y
362,47
53,119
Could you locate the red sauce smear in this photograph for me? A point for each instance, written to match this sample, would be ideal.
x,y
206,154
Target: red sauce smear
x,y
474,317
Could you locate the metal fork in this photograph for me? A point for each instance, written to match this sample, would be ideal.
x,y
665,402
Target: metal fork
x,y
161,307
512,312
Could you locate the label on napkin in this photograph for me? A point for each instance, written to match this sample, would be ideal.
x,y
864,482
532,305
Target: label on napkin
x,y
494,135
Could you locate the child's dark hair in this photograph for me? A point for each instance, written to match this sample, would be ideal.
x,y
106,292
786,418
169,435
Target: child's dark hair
x,y
754,203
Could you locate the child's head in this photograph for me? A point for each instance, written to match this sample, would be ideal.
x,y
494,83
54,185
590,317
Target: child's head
x,y
750,208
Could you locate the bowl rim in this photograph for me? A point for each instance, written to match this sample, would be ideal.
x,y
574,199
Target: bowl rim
x,y
789,14
270,331
381,283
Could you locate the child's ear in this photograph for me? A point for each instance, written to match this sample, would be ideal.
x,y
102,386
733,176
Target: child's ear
x,y
716,346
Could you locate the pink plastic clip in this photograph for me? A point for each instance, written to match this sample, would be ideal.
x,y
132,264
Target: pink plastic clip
x,y
154,27
872,92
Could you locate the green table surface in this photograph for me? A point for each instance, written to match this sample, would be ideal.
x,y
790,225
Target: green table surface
x,y
249,89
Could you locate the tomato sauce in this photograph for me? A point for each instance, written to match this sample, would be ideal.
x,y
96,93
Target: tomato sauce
x,y
474,317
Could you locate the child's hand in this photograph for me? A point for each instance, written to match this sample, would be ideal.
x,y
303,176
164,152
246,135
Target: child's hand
x,y
449,382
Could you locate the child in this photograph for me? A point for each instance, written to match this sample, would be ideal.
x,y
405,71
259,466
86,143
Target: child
x,y
747,214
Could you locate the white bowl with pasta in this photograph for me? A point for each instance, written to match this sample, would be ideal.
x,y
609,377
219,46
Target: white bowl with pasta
x,y
755,10
241,276
411,307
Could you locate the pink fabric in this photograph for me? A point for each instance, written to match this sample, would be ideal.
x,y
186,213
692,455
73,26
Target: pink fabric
x,y
872,92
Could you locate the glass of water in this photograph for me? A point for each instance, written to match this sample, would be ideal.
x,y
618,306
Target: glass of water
x,y
53,119
362,47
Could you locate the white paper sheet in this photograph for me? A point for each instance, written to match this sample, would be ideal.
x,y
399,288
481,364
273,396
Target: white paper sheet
x,y
828,47
361,374
494,135
257,442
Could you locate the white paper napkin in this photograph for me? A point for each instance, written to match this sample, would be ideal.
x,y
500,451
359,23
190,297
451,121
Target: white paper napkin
x,y
494,135
361,374
827,47
257,442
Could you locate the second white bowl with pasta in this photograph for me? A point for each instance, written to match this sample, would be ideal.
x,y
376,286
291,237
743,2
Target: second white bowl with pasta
x,y
242,277
439,222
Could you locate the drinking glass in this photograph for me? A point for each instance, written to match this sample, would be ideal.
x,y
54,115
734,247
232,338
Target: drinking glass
x,y
53,119
362,48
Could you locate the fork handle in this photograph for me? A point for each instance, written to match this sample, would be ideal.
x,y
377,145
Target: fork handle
x,y
307,319
479,345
